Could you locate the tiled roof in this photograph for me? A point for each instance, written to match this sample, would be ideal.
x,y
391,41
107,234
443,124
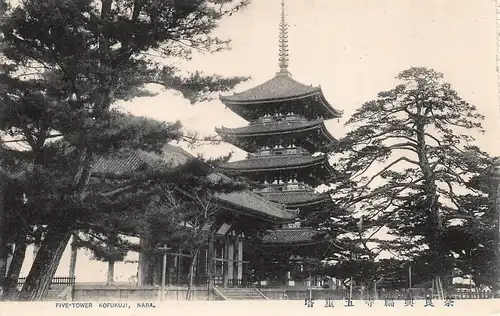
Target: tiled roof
x,y
279,87
269,128
131,161
176,156
256,203
293,236
273,162
295,197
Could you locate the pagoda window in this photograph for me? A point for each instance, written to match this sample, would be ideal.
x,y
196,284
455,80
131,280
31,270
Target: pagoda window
x,y
267,119
293,187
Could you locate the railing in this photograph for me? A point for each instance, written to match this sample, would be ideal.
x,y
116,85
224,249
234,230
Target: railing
x,y
184,280
218,280
240,283
279,118
55,281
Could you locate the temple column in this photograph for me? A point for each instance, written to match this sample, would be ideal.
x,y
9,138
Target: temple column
x,y
239,270
230,259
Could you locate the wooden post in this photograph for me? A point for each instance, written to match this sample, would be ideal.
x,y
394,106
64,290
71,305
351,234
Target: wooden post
x,y
230,260
164,250
409,279
210,261
240,260
350,290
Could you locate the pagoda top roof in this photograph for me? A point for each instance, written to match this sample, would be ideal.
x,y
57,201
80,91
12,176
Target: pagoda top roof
x,y
281,86
294,236
295,198
273,162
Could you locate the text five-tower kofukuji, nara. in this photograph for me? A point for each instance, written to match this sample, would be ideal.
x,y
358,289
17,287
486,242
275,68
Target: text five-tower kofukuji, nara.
x,y
286,136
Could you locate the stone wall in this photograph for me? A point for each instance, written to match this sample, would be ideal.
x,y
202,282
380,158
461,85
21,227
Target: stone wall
x,y
134,293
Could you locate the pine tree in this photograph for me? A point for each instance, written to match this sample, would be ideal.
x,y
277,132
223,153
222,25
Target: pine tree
x,y
79,57
409,155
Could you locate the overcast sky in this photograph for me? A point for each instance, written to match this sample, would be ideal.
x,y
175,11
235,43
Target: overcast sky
x,y
353,49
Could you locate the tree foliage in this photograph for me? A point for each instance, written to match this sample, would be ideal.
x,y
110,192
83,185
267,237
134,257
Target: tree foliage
x,y
65,63
409,160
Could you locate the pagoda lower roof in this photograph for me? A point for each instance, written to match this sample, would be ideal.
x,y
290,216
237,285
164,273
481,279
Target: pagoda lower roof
x,y
275,163
247,201
296,198
273,128
293,236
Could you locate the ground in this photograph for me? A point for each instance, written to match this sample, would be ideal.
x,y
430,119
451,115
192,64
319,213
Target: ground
x,y
260,308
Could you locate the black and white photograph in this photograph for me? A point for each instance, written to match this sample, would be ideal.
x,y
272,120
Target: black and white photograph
x,y
270,157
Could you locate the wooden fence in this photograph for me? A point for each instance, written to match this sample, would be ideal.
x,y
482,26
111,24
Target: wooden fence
x,y
55,281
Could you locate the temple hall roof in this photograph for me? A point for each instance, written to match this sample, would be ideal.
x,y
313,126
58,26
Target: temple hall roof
x,y
244,200
133,160
256,203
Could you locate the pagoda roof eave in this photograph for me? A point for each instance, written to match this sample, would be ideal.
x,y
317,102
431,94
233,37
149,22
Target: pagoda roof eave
x,y
307,161
228,100
293,199
274,128
335,112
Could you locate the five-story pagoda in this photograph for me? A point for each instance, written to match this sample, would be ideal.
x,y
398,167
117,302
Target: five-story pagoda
x,y
286,136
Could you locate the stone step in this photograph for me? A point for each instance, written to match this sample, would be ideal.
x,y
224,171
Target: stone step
x,y
241,293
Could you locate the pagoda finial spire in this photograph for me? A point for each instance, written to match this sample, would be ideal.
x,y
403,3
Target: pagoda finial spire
x,y
283,42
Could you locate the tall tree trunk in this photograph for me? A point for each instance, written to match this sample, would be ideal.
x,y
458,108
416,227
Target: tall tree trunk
x,y
3,234
111,273
146,264
46,262
56,239
194,261
72,262
10,291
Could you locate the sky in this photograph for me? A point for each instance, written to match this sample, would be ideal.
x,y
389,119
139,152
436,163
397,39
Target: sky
x,y
353,49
